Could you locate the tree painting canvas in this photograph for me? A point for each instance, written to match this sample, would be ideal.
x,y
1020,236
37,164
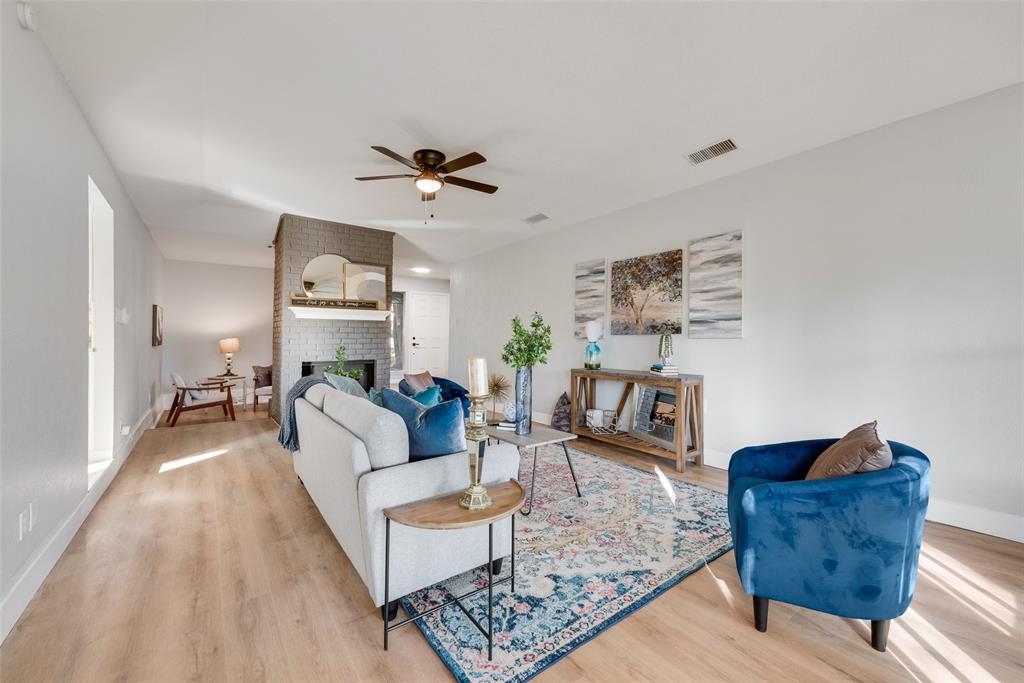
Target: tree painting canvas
x,y
716,287
591,287
647,294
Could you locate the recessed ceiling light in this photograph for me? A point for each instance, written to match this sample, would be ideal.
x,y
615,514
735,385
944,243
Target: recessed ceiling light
x,y
422,270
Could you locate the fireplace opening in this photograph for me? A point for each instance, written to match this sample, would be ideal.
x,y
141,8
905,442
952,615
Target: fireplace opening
x,y
367,380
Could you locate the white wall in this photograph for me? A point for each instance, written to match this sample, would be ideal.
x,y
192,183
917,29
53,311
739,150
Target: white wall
x,y
882,279
204,303
49,151
405,283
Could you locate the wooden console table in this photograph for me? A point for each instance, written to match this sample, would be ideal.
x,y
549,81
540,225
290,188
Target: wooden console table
x,y
689,411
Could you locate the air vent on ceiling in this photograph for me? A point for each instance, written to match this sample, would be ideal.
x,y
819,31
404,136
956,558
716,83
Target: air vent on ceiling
x,y
536,218
712,151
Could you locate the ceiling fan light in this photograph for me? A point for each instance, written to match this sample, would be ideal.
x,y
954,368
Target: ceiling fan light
x,y
428,182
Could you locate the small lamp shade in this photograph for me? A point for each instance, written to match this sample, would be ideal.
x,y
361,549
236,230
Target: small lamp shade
x,y
229,345
478,377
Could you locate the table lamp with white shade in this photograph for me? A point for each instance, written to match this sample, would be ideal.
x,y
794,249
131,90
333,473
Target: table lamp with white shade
x,y
228,347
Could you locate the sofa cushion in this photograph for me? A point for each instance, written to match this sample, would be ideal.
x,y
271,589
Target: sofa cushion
x,y
859,451
263,376
374,397
315,395
561,416
435,430
419,381
346,384
381,431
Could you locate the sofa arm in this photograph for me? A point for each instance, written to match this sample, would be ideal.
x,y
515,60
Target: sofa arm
x,y
847,546
391,486
778,461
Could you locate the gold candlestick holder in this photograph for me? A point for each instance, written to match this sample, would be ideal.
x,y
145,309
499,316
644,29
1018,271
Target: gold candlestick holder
x,y
475,496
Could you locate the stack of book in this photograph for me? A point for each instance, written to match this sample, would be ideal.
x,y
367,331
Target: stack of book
x,y
659,369
507,426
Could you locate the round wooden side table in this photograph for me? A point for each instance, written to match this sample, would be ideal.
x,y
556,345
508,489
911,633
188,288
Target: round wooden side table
x,y
444,512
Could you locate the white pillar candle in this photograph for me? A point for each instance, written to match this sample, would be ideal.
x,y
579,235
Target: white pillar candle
x,y
477,376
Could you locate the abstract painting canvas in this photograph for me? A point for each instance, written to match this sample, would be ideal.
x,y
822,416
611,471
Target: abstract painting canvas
x,y
647,294
366,282
716,287
591,285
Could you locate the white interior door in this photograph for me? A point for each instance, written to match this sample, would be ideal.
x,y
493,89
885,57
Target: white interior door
x,y
426,330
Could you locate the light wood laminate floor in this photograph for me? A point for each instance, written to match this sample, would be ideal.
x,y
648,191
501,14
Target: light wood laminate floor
x,y
206,560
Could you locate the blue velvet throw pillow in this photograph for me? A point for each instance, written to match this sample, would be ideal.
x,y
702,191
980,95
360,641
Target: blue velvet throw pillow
x,y
430,396
435,430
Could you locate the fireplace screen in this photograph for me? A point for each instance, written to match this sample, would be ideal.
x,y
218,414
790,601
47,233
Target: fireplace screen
x,y
654,419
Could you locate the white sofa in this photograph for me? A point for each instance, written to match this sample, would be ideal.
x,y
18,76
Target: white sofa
x,y
353,459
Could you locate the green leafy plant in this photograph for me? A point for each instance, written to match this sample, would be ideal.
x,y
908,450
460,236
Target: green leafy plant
x,y
339,364
528,347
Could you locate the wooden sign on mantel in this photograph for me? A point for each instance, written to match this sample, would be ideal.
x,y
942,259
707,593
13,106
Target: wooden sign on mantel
x,y
349,304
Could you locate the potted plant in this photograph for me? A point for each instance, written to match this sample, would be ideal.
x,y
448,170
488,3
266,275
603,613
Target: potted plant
x,y
339,365
526,348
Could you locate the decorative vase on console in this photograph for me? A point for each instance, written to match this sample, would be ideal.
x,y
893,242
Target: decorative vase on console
x,y
592,354
526,348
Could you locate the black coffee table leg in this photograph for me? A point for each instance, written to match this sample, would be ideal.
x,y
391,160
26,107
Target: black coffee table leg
x,y
387,572
533,485
575,483
490,591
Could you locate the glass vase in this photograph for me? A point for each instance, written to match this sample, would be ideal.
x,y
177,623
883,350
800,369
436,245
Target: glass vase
x,y
524,400
592,356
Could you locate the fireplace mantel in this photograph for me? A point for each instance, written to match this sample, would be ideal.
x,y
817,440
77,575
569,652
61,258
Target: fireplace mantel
x,y
310,313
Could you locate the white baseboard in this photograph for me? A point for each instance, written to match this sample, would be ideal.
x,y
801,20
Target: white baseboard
x,y
974,518
46,556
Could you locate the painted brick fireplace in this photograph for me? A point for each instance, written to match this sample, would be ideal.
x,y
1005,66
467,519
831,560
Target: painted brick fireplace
x,y
298,240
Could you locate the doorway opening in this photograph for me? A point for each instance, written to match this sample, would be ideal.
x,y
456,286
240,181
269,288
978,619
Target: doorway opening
x,y
101,334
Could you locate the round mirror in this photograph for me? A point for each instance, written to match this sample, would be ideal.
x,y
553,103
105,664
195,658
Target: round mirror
x,y
324,277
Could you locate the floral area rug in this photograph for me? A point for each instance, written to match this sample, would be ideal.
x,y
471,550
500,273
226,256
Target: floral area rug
x,y
582,564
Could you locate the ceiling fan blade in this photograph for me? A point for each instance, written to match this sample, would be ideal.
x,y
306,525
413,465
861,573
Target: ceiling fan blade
x,y
385,177
471,159
470,184
396,156
427,196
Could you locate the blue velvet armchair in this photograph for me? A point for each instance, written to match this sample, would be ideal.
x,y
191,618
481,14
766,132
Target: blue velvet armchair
x,y
846,546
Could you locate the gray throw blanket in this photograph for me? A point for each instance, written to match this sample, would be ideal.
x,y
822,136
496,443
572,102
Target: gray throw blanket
x,y
288,436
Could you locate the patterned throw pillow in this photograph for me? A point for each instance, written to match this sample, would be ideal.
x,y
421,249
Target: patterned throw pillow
x,y
561,415
263,375
433,431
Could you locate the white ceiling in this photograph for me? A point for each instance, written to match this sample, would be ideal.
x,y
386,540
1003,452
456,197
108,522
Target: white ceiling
x,y
220,116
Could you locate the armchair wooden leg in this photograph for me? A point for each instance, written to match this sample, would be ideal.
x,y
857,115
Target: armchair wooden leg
x,y
761,614
174,407
879,634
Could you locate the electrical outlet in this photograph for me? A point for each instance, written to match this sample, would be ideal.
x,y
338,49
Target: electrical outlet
x,y
125,429
21,526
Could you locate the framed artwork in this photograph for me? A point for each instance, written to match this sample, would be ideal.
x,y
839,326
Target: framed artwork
x,y
716,287
158,325
366,282
647,294
591,285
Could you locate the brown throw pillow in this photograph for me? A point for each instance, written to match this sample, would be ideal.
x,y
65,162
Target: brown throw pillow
x,y
859,451
419,381
263,375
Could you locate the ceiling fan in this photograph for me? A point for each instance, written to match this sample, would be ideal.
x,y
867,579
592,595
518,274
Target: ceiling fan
x,y
432,171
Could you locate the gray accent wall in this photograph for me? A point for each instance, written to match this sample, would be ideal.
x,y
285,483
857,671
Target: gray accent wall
x,y
300,239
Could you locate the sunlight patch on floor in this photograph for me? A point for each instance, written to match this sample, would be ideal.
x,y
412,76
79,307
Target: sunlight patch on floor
x,y
190,460
937,657
970,577
665,484
970,598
